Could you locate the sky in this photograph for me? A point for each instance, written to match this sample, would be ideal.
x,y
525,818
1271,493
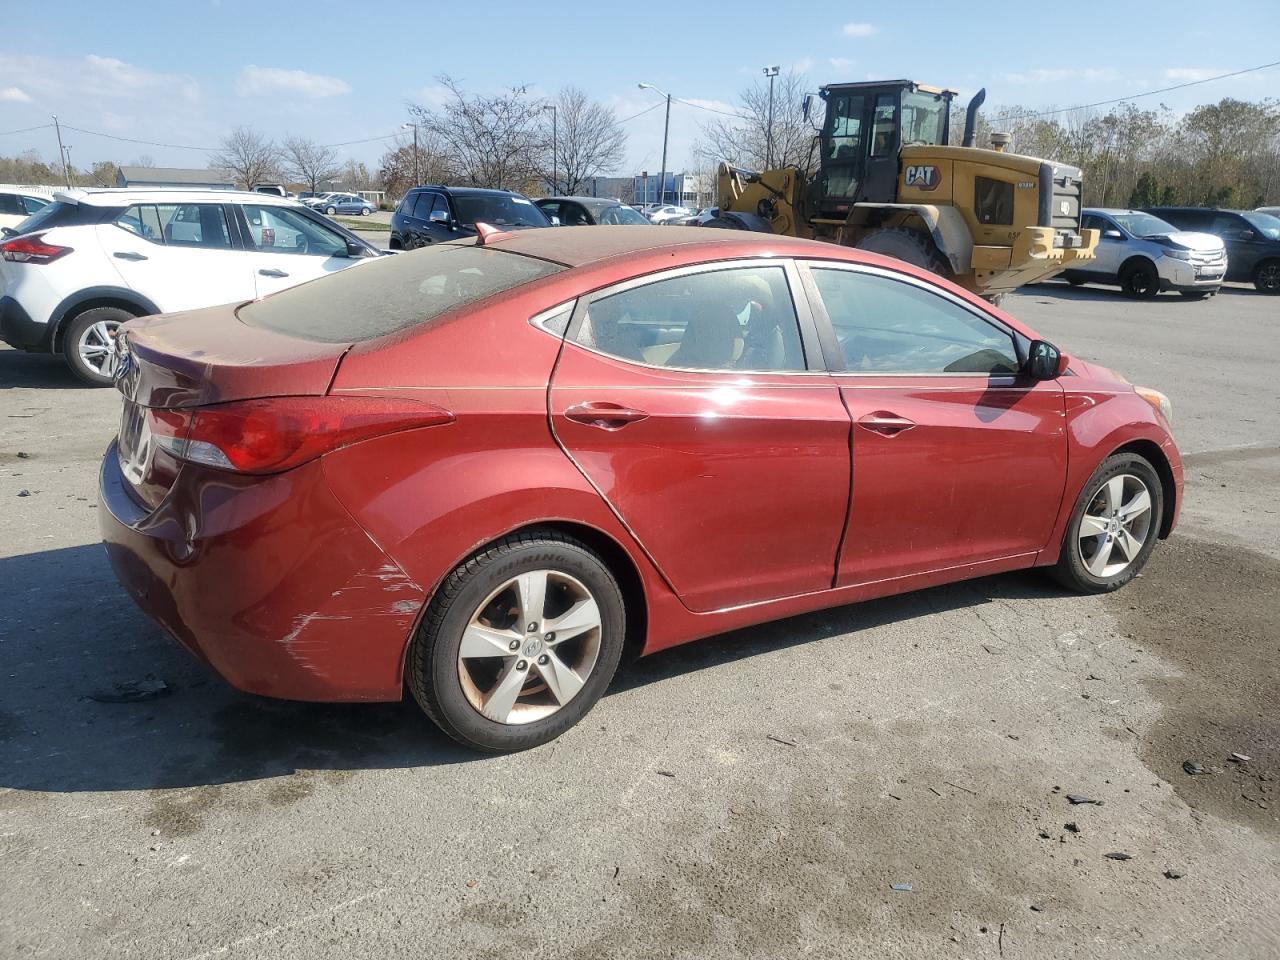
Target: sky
x,y
181,74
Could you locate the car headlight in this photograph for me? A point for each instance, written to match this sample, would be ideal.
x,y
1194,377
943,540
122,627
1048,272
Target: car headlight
x,y
1177,254
1158,401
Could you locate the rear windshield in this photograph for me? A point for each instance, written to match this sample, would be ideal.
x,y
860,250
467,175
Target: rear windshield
x,y
499,210
392,293
56,214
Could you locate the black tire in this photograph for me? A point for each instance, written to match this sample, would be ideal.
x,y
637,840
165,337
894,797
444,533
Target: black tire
x,y
910,246
1194,294
1070,570
1139,279
1266,276
432,671
76,330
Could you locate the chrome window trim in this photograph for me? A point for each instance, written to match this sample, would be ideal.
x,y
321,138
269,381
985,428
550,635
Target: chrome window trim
x,y
809,265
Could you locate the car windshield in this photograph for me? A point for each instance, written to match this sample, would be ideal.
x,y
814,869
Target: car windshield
x,y
1144,224
622,215
500,210
1265,224
392,293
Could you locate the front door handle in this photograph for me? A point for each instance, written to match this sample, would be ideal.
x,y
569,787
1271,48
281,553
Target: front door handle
x,y
606,416
129,255
272,273
885,423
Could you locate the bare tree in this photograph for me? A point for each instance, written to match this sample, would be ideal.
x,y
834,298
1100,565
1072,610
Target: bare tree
x,y
743,140
399,169
308,162
494,141
589,143
248,156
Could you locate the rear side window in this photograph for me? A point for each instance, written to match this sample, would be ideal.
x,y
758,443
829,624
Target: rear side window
x,y
11,205
58,214
393,293
178,224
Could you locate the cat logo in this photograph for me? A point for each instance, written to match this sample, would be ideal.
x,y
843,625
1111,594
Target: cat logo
x,y
922,177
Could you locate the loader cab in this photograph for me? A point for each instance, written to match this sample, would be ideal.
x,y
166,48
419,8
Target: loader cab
x,y
864,127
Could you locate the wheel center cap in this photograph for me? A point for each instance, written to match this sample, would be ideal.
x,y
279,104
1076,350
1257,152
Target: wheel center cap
x,y
532,647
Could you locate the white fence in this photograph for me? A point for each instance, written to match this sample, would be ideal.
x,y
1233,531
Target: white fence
x,y
43,190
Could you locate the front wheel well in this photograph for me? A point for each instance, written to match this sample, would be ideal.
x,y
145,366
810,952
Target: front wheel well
x,y
1136,260
1150,451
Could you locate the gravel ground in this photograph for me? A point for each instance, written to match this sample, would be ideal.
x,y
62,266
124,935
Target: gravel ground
x,y
929,740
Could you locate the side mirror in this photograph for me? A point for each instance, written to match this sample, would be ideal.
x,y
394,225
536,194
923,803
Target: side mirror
x,y
357,250
1045,361
8,232
555,221
1112,235
807,105
441,217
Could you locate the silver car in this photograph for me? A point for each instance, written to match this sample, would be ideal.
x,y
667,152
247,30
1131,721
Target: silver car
x,y
1144,255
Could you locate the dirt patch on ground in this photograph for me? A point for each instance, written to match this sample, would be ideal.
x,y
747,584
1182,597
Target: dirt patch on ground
x,y
1214,611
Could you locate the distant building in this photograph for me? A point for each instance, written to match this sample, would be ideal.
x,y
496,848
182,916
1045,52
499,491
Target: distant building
x,y
684,189
131,176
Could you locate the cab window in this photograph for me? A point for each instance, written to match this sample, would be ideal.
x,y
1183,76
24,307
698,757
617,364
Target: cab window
x,y
274,229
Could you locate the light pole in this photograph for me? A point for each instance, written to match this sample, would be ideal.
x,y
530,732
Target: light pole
x,y
62,155
417,175
666,127
769,72
555,181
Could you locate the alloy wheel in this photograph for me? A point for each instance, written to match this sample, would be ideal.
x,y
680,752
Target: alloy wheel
x,y
97,347
1115,525
1269,277
530,647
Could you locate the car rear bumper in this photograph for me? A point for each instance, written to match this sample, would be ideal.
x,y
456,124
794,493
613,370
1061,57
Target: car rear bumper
x,y
268,580
18,329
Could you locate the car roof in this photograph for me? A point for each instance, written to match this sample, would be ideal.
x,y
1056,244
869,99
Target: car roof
x,y
585,201
115,196
467,191
578,246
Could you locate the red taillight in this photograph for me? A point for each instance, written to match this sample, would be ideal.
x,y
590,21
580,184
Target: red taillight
x,y
32,249
279,433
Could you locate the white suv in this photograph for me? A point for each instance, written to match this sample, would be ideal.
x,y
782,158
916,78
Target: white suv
x,y
1145,255
93,259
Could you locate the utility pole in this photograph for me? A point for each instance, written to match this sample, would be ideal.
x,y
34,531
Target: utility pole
x,y
666,128
417,174
769,72
555,162
62,154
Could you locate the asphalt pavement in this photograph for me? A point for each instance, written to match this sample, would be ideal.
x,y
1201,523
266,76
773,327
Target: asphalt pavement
x,y
891,779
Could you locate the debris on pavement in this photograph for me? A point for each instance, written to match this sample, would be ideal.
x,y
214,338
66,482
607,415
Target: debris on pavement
x,y
1172,874
1118,855
23,455
1240,758
1194,768
133,691
665,773
901,887
1075,799
1044,834
1071,827
783,740
958,787
24,492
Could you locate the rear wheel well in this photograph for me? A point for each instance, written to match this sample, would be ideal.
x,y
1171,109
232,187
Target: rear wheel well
x,y
1151,452
92,304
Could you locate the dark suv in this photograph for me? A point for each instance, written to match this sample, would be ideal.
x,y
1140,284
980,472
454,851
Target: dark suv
x,y
1252,240
433,214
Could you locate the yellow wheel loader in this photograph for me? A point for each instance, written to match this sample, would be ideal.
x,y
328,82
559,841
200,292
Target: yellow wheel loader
x,y
887,182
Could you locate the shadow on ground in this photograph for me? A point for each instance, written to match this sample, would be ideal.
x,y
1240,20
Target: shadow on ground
x,y
67,630
42,371
1055,290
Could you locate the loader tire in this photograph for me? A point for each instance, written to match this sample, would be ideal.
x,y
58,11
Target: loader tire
x,y
910,246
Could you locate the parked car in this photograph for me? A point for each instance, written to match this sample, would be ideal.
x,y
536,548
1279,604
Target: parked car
x,y
668,212
16,207
317,198
589,211
434,214
1252,240
1270,211
484,470
1144,255
344,203
275,189
93,259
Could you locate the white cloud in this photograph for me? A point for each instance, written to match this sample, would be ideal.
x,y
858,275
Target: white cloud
x,y
859,30
433,95
841,63
259,81
124,79
1189,74
14,95
802,66
85,78
1059,75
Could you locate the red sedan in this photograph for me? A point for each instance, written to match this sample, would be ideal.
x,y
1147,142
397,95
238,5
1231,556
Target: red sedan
x,y
484,470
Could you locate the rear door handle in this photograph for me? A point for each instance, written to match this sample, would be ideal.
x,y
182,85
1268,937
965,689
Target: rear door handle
x,y
272,273
129,255
885,423
605,415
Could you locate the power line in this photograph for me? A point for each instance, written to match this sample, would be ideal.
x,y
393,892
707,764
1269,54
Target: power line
x,y
348,143
725,113
641,113
148,143
43,126
1136,96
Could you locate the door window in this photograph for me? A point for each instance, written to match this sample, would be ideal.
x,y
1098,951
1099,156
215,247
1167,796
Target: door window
x,y
883,141
178,224
11,205
890,326
441,205
846,128
32,204
1231,227
422,206
735,319
275,229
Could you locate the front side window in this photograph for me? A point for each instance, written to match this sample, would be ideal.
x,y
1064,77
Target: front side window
x,y
275,229
846,127
1264,223
622,215
924,118
734,319
891,326
11,205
